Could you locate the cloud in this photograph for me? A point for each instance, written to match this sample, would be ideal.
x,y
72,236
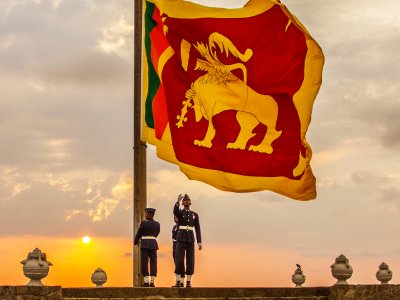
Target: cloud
x,y
12,184
61,97
389,199
65,128
364,113
365,178
118,39
61,49
358,97
86,68
70,202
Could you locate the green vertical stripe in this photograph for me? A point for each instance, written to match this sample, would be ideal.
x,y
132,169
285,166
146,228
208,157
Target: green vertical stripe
x,y
153,80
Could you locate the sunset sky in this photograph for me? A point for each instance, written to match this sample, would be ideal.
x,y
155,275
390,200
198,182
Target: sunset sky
x,y
66,97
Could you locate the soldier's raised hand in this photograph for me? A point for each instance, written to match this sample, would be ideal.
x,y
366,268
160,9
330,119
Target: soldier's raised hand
x,y
180,197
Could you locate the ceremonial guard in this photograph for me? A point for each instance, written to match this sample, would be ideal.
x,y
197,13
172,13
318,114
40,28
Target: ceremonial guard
x,y
147,234
188,222
174,232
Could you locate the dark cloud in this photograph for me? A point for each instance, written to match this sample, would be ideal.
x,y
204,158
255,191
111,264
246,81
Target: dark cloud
x,y
390,195
58,45
368,178
358,96
56,50
89,68
357,110
91,131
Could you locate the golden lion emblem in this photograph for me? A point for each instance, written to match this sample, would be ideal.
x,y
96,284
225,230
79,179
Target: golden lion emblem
x,y
219,90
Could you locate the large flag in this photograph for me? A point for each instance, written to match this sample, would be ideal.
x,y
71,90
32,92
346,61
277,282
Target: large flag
x,y
228,94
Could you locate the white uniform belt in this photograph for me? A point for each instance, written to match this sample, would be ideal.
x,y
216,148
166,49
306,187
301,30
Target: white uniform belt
x,y
186,227
148,237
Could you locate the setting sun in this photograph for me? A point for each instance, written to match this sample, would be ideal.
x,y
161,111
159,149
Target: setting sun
x,y
86,239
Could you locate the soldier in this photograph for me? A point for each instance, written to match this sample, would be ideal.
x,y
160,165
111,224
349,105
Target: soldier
x,y
147,234
174,232
187,221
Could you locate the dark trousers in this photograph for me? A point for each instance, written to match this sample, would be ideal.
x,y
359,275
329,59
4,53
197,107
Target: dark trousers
x,y
173,255
145,255
181,249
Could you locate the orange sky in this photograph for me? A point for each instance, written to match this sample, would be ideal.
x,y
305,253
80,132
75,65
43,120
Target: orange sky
x,y
218,265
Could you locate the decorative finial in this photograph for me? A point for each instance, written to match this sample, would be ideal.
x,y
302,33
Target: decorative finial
x,y
298,277
99,277
36,267
341,270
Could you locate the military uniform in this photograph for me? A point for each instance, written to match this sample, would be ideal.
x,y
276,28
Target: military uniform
x,y
188,222
147,234
174,232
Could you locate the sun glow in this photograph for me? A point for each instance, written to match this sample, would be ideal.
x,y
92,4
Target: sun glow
x,y
86,239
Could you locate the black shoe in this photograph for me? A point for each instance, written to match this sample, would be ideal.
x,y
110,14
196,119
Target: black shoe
x,y
178,284
188,285
152,284
146,284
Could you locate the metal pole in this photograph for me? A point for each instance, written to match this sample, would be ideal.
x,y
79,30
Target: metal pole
x,y
139,147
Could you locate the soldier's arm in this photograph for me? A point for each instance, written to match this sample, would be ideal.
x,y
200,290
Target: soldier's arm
x,y
158,229
138,234
198,231
176,207
157,232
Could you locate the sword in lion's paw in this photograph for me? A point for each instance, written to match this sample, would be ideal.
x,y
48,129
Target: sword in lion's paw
x,y
182,117
187,103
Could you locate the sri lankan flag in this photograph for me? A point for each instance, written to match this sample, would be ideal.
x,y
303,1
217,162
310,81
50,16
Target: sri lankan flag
x,y
228,94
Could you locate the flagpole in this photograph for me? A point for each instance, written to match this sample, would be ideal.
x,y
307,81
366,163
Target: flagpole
x,y
139,147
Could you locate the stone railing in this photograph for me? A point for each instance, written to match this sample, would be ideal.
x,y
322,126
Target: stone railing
x,y
337,292
36,267
30,292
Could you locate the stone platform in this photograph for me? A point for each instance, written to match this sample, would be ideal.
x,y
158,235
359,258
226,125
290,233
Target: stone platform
x,y
348,292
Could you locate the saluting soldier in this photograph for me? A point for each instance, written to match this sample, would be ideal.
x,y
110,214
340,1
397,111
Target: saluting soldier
x,y
147,233
188,222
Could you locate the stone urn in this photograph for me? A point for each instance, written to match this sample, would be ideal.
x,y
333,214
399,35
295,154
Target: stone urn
x,y
384,275
341,270
99,277
298,277
36,267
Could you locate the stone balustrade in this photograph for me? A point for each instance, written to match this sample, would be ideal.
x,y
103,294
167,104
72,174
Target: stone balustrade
x,y
336,292
36,267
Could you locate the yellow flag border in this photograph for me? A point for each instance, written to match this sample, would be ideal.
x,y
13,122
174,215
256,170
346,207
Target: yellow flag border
x,y
303,189
189,10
